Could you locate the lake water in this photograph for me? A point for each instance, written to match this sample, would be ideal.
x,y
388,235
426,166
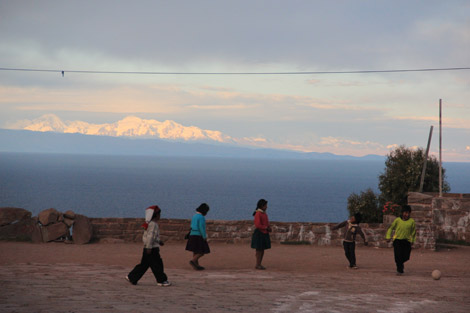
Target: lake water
x,y
123,186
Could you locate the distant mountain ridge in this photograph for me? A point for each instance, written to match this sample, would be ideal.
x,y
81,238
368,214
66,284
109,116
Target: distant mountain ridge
x,y
131,126
26,141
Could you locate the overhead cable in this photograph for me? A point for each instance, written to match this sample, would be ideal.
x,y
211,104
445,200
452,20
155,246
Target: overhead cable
x,y
63,71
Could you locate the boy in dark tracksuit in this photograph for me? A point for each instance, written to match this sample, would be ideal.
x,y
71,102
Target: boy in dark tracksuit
x,y
349,241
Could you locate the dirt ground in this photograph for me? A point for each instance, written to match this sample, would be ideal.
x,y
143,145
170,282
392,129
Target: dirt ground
x,y
57,277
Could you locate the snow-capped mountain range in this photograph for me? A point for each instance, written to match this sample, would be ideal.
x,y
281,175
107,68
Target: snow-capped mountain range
x,y
131,126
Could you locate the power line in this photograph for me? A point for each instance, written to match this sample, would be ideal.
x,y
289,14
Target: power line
x,y
235,73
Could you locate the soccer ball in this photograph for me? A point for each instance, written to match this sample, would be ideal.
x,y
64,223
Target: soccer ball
x,y
436,274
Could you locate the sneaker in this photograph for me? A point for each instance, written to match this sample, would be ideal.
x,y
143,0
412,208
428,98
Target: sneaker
x,y
260,267
354,267
166,283
127,278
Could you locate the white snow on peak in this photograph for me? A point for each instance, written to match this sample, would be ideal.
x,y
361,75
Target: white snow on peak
x,y
130,126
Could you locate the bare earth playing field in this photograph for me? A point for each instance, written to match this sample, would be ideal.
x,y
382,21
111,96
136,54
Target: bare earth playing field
x,y
56,277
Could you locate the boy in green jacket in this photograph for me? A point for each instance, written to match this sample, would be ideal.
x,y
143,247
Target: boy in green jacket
x,y
403,238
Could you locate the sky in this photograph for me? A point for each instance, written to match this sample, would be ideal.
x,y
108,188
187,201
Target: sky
x,y
347,114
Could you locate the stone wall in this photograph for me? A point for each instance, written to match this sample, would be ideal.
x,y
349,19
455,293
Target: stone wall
x,y
441,218
446,218
436,218
130,230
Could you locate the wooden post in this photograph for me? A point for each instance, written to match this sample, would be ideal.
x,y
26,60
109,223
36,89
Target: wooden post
x,y
440,148
425,163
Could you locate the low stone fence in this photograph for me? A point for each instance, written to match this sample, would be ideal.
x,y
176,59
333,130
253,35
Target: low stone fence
x,y
130,230
446,218
437,218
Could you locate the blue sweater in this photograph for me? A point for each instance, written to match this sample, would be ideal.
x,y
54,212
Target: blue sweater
x,y
198,226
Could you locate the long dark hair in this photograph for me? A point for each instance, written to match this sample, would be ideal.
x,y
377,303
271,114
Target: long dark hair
x,y
203,209
261,203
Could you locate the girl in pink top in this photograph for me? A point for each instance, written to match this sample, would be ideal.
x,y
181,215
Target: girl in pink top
x,y
260,239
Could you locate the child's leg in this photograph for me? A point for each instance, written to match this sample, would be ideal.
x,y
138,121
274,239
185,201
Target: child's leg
x,y
196,257
349,252
406,251
352,254
195,261
346,251
140,269
259,257
156,264
398,251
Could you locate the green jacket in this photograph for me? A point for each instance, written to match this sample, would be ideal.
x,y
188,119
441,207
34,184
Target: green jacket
x,y
403,230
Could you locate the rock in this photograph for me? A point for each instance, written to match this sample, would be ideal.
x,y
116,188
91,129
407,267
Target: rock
x,y
416,197
69,222
82,230
388,219
54,231
22,230
48,216
69,214
11,215
36,236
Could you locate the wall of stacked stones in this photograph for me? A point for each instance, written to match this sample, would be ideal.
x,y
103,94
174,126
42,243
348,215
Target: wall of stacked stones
x,y
130,230
442,218
436,218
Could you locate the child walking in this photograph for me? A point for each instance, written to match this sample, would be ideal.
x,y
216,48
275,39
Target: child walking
x,y
403,238
197,242
151,254
349,241
260,239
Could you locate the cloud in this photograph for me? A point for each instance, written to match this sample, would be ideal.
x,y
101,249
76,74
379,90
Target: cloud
x,y
341,142
462,123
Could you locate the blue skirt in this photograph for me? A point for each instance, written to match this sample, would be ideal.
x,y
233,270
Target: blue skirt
x,y
260,241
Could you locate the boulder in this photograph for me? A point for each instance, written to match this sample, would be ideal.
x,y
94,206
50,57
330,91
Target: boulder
x,y
36,235
69,222
22,230
54,231
82,230
13,215
69,214
48,216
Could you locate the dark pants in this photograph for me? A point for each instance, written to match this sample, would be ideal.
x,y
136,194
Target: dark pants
x,y
402,251
152,260
350,252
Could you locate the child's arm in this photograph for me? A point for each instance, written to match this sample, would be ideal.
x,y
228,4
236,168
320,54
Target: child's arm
x,y
361,233
202,227
339,225
259,222
390,229
413,232
152,232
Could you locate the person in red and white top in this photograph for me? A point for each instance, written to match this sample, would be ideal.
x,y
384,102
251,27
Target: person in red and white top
x,y
151,254
260,239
